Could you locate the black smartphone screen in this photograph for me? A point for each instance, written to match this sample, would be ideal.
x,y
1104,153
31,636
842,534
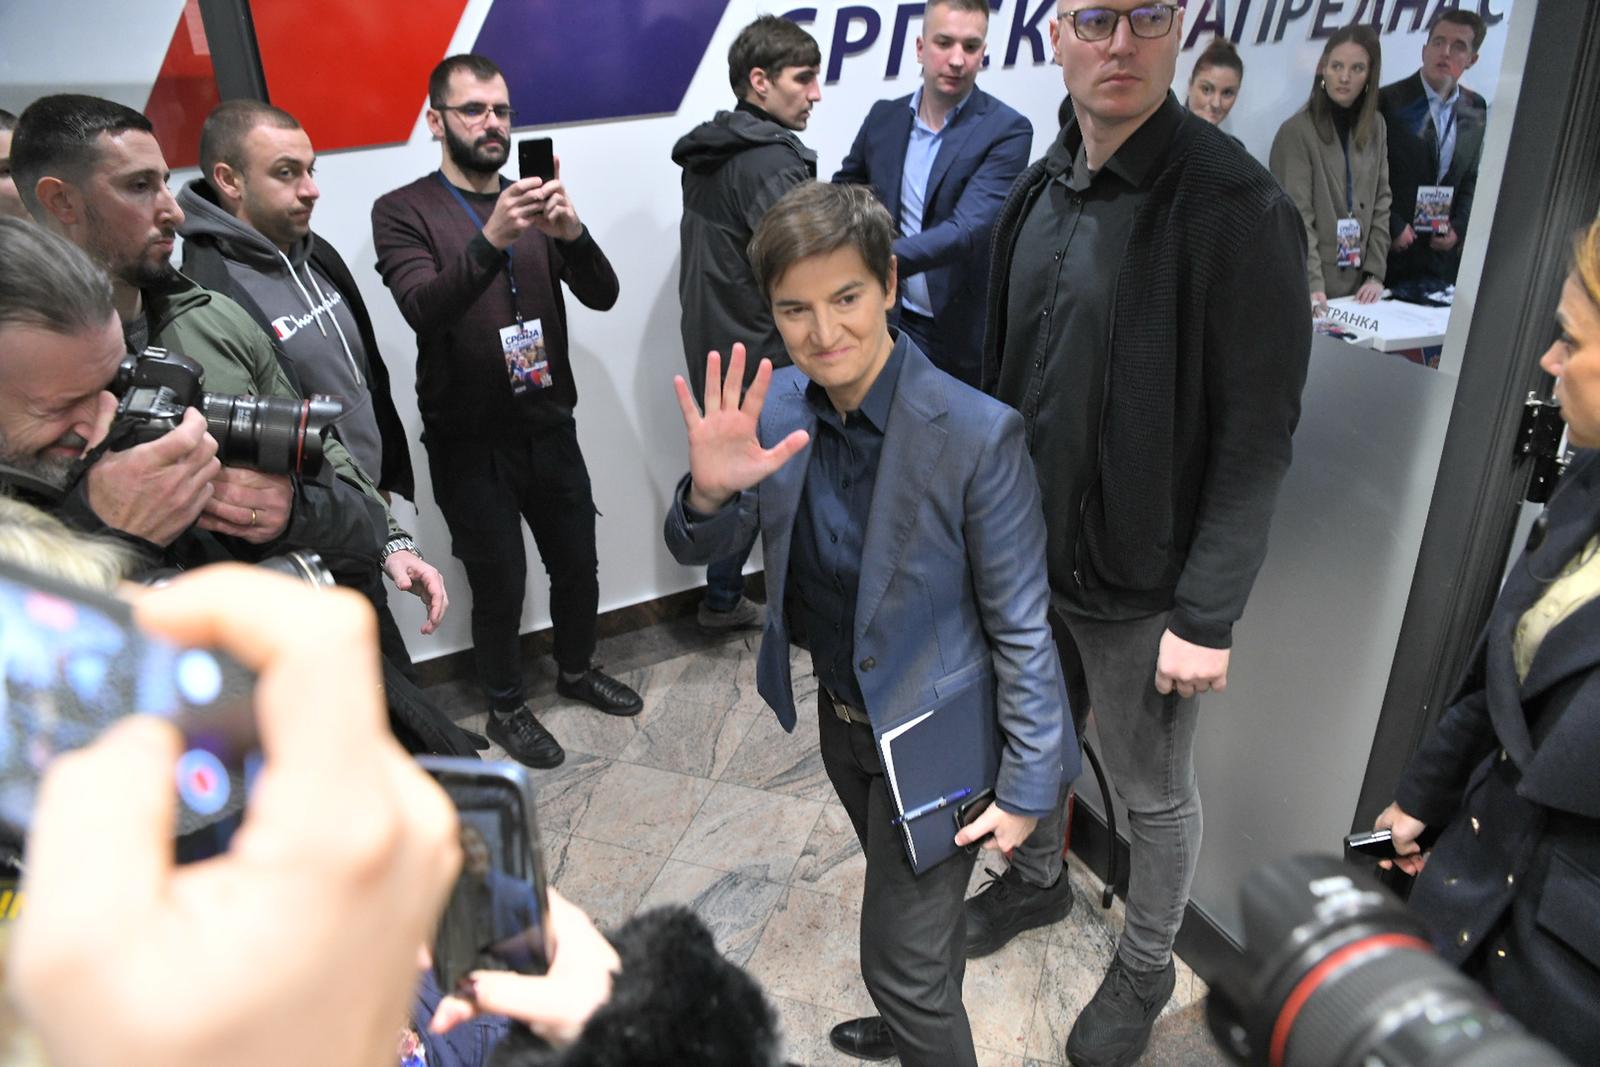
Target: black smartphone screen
x,y
496,917
970,809
73,662
536,158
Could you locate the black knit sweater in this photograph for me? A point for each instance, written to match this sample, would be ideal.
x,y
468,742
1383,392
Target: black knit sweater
x,y
1209,347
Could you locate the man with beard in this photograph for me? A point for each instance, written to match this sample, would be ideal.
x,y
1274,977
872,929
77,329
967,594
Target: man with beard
x,y
247,233
60,343
476,263
91,170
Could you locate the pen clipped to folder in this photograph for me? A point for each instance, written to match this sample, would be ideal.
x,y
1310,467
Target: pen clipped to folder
x,y
930,807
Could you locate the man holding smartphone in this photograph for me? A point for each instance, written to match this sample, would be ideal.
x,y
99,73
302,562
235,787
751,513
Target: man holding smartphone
x,y
476,264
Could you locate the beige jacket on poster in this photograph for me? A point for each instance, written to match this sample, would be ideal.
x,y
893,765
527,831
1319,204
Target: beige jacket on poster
x,y
1312,171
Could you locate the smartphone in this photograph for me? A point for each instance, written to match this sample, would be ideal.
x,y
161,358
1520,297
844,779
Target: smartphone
x,y
72,662
536,158
1379,844
497,914
969,810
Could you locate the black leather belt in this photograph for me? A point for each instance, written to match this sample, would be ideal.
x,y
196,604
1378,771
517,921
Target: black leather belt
x,y
847,712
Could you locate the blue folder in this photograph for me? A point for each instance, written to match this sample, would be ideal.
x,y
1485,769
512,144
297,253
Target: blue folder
x,y
935,751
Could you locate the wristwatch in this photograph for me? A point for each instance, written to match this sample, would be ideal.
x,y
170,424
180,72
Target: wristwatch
x,y
399,544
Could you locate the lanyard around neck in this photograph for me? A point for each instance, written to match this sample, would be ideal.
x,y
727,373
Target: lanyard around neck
x,y
511,275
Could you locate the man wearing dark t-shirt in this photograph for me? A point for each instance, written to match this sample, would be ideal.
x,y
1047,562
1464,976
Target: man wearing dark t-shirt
x,y
476,264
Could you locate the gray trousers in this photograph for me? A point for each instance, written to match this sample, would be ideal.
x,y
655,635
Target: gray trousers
x,y
1147,745
913,928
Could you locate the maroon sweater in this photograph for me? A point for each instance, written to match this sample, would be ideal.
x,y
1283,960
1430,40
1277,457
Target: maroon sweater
x,y
451,285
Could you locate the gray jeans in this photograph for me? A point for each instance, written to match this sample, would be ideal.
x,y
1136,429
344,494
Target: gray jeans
x,y
1147,746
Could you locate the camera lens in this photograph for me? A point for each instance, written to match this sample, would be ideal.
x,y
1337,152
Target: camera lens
x,y
269,433
1336,972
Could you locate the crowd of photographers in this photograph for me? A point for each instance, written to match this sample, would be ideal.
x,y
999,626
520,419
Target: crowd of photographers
x,y
175,424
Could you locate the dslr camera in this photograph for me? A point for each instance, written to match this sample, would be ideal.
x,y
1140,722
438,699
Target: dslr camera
x,y
1337,972
270,434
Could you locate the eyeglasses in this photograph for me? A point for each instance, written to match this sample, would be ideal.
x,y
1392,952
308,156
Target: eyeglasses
x,y
1099,23
475,113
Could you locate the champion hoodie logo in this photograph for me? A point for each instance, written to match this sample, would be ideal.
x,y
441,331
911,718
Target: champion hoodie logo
x,y
286,326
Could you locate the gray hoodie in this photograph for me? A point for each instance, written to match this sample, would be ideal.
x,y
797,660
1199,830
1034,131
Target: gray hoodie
x,y
310,319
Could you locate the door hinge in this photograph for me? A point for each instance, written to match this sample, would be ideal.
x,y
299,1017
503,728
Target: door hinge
x,y
1539,440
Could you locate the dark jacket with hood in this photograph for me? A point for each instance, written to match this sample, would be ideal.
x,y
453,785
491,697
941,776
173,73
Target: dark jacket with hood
x,y
735,167
307,301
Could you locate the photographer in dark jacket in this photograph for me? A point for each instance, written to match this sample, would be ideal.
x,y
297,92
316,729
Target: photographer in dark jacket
x,y
1512,888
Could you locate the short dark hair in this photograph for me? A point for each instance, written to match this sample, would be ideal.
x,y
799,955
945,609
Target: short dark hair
x,y
230,122
1219,53
976,7
1470,19
8,121
59,136
49,283
480,67
771,44
817,218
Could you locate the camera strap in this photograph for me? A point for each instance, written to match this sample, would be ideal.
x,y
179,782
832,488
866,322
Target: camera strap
x,y
120,432
511,275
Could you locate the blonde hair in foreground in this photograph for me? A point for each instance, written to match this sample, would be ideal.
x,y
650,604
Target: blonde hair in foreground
x,y
41,542
1586,262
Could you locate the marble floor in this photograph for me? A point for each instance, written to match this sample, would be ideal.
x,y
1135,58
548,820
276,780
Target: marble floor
x,y
703,800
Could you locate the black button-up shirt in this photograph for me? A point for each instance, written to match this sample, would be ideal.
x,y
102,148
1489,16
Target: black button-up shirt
x,y
1059,310
830,527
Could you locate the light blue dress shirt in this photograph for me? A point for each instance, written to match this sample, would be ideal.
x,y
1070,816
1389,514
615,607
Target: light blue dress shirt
x,y
1443,112
921,151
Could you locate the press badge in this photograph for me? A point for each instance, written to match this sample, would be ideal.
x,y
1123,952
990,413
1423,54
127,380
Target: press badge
x,y
1433,209
527,365
1349,232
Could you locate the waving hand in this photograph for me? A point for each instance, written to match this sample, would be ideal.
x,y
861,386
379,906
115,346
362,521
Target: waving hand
x,y
725,456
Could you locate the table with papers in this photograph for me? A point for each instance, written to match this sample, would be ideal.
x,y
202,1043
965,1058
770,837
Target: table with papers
x,y
1388,325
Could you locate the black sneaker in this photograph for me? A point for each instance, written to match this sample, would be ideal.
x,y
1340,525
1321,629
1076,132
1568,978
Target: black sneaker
x,y
601,691
524,737
1006,906
1113,1029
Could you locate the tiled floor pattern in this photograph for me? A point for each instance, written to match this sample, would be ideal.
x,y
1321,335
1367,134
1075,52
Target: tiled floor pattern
x,y
703,800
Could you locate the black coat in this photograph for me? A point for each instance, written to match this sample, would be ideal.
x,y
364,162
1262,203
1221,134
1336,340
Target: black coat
x,y
1411,164
1512,771
203,262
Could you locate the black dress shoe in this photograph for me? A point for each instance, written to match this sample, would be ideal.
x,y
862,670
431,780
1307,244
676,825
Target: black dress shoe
x,y
601,691
865,1039
524,738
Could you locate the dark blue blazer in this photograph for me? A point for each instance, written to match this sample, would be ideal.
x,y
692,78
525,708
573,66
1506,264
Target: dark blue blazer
x,y
984,149
1512,773
952,585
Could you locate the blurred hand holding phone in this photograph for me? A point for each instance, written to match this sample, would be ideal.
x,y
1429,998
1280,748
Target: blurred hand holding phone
x,y
339,871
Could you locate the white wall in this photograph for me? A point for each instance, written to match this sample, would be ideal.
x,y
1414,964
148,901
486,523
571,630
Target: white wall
x,y
625,187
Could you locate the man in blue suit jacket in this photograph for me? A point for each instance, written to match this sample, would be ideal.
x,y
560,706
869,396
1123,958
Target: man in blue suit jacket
x,y
900,520
942,160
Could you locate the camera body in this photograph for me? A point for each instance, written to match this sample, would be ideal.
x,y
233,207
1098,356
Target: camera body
x,y
271,434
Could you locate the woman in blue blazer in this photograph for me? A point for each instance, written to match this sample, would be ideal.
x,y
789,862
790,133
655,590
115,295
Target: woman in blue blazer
x,y
902,533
